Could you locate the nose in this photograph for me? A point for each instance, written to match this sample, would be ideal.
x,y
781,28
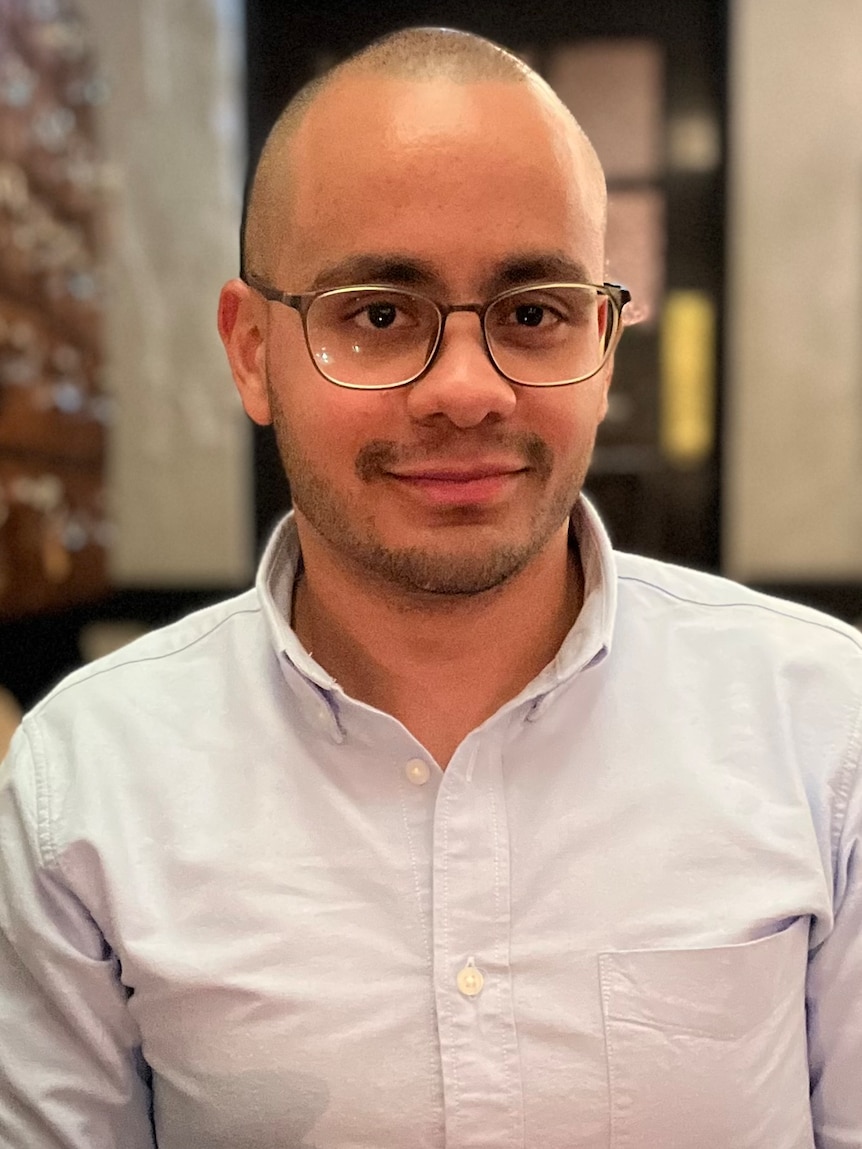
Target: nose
x,y
462,384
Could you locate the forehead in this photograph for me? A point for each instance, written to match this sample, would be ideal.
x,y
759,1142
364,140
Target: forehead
x,y
458,175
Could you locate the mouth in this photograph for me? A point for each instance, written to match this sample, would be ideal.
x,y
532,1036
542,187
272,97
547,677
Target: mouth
x,y
459,486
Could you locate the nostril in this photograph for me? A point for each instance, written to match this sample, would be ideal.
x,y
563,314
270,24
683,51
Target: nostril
x,y
462,391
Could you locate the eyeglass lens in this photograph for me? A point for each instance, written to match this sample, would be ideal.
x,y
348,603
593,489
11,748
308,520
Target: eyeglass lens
x,y
371,337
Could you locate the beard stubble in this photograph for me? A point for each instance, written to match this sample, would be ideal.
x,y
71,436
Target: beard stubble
x,y
348,528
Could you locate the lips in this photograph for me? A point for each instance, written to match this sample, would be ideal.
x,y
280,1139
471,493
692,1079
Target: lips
x,y
453,473
449,485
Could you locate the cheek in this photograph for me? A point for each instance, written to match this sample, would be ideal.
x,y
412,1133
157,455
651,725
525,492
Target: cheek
x,y
327,424
569,421
301,394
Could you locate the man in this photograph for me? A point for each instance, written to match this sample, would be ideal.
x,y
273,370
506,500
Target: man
x,y
460,829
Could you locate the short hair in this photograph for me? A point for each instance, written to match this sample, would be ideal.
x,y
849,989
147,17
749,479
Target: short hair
x,y
410,53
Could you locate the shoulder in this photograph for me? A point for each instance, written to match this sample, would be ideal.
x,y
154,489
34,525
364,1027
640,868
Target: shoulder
x,y
742,647
722,606
782,681
126,730
197,648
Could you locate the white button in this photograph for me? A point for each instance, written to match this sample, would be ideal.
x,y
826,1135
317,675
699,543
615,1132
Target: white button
x,y
417,771
470,980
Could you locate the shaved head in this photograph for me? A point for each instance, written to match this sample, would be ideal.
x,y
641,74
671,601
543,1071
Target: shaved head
x,y
413,54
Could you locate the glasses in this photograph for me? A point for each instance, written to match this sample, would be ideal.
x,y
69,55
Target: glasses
x,y
376,337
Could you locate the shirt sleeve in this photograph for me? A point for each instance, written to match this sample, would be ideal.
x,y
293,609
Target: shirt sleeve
x,y
835,989
71,1073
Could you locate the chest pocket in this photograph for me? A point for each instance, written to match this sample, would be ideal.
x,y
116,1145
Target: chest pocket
x,y
707,1047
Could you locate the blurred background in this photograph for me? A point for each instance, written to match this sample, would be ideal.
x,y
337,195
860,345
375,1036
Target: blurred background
x,y
132,488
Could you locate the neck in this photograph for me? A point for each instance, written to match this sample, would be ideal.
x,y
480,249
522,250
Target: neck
x,y
411,655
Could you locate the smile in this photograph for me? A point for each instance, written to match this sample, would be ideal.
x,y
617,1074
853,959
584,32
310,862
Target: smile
x,y
459,488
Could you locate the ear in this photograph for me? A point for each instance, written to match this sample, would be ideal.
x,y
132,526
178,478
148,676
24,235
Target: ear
x,y
242,327
606,374
606,378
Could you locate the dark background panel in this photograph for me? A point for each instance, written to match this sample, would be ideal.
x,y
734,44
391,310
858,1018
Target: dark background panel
x,y
649,506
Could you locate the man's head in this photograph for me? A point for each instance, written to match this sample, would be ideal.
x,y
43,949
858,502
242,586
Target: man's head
x,y
414,54
435,161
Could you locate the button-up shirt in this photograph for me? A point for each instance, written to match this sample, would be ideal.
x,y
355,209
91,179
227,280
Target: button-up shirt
x,y
240,909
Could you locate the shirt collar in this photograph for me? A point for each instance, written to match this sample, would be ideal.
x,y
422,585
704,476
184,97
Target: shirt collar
x,y
587,643
276,577
589,640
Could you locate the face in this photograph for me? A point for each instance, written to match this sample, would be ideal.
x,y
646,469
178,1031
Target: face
x,y
456,482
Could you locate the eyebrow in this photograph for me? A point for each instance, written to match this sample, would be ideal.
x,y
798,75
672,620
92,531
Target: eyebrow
x,y
536,267
399,270
408,271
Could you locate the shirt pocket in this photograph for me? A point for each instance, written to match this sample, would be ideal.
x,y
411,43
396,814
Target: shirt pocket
x,y
707,1047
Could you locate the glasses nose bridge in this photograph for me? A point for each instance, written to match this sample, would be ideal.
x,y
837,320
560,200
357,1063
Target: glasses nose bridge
x,y
478,309
447,309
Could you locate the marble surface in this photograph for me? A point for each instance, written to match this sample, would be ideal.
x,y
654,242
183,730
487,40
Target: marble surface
x,y
793,457
171,127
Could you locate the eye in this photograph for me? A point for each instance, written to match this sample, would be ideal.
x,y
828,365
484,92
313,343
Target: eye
x,y
381,314
373,311
520,315
530,314
544,311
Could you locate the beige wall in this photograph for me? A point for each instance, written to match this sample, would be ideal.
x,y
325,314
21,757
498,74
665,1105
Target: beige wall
x,y
180,467
793,506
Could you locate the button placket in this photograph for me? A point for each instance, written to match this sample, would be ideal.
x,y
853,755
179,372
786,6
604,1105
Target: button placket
x,y
473,989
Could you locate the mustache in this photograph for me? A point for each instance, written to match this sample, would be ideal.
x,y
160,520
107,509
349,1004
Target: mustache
x,y
378,456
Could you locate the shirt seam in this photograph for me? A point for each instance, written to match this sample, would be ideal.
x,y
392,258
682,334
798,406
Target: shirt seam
x,y
447,972
45,842
610,1051
857,642
511,1054
97,673
427,938
502,966
850,770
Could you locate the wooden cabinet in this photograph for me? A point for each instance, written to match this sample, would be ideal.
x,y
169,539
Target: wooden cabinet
x,y
53,412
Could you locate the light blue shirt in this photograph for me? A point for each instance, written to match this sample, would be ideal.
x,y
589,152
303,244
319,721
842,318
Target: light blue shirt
x,y
234,894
